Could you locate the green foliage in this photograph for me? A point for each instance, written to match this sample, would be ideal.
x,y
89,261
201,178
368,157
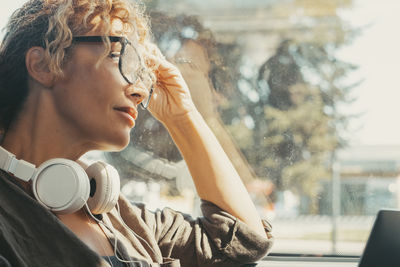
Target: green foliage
x,y
284,115
297,125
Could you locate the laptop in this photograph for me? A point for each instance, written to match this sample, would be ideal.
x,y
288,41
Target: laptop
x,y
383,245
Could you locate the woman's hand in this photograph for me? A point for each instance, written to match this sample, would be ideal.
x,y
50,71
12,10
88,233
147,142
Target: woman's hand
x,y
171,101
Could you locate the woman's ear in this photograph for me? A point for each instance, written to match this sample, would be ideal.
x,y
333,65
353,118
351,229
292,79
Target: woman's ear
x,y
37,67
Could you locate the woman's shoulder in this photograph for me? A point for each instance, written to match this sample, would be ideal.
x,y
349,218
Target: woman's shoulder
x,y
11,193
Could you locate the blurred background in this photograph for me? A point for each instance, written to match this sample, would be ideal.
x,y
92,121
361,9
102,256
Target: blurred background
x,y
303,96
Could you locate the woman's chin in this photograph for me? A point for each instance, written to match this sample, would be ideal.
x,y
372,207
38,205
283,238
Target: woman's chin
x,y
116,143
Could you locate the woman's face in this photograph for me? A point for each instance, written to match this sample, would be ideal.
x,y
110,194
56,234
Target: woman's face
x,y
94,101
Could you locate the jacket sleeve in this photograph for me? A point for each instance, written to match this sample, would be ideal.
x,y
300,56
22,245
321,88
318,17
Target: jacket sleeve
x,y
216,239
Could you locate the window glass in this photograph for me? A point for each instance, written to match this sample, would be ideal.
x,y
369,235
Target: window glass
x,y
302,95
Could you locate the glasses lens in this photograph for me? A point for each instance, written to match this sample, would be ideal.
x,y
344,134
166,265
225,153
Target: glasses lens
x,y
145,103
130,63
133,70
147,82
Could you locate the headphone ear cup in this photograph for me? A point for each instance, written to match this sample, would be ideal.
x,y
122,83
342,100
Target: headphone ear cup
x,y
61,185
105,187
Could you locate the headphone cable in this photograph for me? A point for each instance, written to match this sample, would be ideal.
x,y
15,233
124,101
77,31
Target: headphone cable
x,y
115,238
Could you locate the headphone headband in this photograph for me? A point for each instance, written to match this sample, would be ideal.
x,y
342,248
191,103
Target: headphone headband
x,y
19,168
63,185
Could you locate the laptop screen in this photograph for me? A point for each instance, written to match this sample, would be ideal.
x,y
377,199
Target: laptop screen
x,y
383,245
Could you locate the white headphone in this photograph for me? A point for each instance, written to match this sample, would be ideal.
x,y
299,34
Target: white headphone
x,y
64,186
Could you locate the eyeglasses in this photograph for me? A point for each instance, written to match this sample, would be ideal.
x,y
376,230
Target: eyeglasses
x,y
131,65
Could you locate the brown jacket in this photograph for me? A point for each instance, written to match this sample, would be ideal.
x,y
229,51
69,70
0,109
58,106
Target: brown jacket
x,y
30,235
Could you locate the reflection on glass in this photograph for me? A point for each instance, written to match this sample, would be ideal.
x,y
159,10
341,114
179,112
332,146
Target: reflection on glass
x,y
268,78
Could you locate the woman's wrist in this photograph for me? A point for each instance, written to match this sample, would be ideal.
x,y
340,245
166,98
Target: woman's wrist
x,y
184,121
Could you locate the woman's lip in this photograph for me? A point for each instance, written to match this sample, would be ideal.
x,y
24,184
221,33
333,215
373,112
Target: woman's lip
x,y
128,113
129,110
128,117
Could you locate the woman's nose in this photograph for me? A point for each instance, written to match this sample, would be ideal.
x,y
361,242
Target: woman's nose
x,y
138,93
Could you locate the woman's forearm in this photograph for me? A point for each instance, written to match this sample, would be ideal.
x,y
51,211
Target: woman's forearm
x,y
214,176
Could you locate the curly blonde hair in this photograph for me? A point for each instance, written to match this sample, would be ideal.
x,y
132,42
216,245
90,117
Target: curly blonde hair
x,y
52,24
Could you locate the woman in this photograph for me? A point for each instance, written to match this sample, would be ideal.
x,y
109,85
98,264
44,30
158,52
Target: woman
x,y
72,75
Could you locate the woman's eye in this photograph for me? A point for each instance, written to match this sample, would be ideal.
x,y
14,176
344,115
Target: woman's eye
x,y
115,55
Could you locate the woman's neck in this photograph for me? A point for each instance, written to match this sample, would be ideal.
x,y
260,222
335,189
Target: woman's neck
x,y
38,134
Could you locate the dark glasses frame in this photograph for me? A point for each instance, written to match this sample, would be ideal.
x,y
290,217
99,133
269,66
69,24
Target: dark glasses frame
x,y
124,42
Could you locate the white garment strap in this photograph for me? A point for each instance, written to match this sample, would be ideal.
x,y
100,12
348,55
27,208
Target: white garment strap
x,y
19,168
